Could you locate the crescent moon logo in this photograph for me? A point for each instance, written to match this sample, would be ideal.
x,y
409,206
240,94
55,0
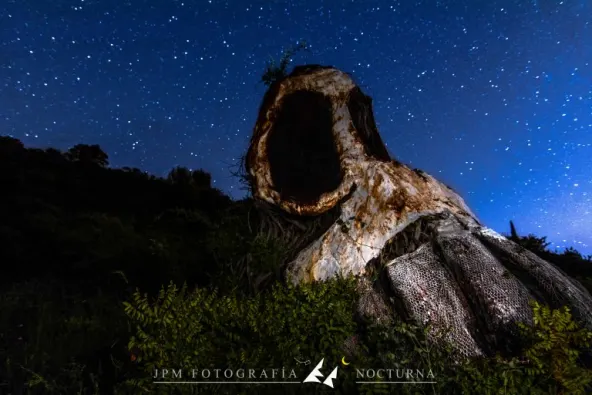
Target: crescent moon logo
x,y
343,361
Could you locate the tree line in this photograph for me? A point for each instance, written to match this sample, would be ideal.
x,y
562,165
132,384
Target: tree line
x,y
109,272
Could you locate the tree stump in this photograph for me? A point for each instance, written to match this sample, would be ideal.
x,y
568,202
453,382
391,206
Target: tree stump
x,y
317,163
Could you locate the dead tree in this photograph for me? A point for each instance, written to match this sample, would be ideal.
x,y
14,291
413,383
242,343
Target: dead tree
x,y
318,166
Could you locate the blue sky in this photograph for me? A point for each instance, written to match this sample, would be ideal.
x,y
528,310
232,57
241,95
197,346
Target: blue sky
x,y
492,97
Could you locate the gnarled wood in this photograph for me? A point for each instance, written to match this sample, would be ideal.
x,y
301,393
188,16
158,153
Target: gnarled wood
x,y
316,150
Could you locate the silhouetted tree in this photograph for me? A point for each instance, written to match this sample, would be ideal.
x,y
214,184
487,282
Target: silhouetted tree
x,y
88,154
185,177
201,179
534,243
513,233
10,145
76,240
531,242
572,253
180,176
55,156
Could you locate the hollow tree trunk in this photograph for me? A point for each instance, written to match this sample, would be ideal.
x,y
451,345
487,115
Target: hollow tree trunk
x,y
317,157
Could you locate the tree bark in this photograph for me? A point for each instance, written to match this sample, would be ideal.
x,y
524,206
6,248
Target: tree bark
x,y
318,166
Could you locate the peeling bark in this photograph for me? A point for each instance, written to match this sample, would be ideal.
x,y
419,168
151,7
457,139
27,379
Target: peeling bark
x,y
317,156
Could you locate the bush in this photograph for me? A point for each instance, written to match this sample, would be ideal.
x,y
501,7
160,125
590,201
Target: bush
x,y
550,364
58,342
68,226
185,330
203,329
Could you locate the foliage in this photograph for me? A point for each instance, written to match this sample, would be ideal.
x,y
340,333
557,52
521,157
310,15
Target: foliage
x,y
196,178
53,340
10,145
551,361
570,260
204,329
530,242
246,264
554,350
78,238
87,154
207,330
66,228
275,72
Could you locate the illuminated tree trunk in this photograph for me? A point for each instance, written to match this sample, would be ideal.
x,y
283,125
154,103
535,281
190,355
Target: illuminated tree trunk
x,y
318,166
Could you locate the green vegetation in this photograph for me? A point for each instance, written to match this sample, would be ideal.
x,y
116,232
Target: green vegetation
x,y
570,260
108,273
275,71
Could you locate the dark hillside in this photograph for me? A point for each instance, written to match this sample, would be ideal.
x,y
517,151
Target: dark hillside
x,y
73,217
85,249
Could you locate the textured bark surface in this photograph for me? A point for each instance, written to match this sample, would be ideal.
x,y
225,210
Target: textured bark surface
x,y
317,157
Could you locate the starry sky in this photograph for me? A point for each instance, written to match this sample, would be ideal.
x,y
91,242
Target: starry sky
x,y
492,97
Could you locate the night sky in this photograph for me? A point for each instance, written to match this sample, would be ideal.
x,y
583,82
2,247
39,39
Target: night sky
x,y
492,97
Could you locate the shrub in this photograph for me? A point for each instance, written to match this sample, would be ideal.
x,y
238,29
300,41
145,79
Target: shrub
x,y
53,341
550,363
185,330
